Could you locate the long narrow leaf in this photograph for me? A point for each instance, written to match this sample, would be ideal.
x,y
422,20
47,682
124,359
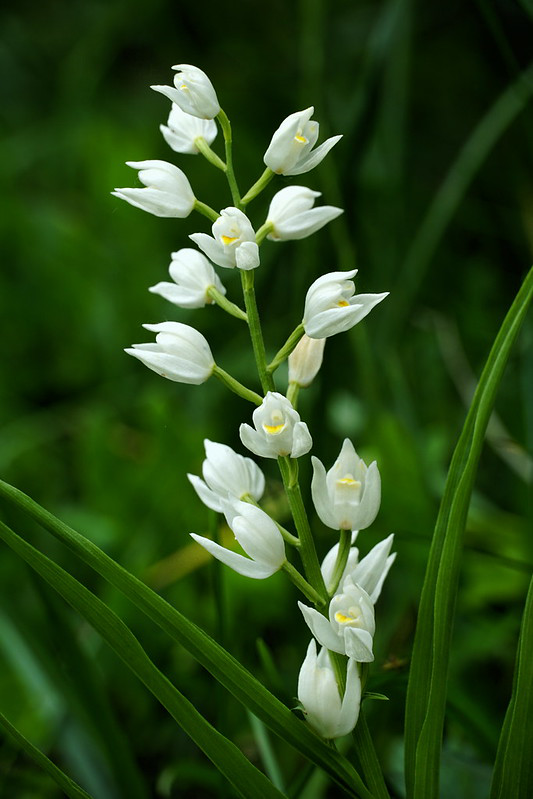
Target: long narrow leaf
x,y
513,770
228,671
230,761
426,695
67,785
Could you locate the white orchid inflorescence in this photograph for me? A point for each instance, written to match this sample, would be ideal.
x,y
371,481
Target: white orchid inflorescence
x,y
344,588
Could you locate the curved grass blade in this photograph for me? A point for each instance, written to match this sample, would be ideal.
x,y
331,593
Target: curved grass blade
x,y
229,760
223,666
513,769
426,693
67,785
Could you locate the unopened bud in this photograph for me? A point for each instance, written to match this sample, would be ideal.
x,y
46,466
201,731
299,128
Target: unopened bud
x,y
305,360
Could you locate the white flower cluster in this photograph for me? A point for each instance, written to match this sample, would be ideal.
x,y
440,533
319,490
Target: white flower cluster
x,y
347,497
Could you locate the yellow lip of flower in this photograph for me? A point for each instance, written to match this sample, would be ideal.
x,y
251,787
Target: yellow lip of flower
x,y
342,303
273,428
301,139
226,240
342,619
348,480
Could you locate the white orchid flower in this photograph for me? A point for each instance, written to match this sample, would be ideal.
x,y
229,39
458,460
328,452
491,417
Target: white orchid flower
x,y
233,242
351,625
305,360
226,473
180,353
257,534
168,193
292,214
369,572
331,305
278,429
193,92
193,276
347,497
291,150
324,710
182,130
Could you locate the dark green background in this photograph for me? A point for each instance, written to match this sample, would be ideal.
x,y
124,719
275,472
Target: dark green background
x,y
105,444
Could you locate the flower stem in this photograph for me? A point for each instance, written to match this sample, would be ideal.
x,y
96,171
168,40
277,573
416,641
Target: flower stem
x,y
234,385
289,472
345,541
230,174
302,584
256,334
203,147
206,210
225,304
286,350
258,186
266,228
292,393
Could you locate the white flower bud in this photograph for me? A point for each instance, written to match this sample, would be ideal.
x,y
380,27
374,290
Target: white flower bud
x,y
331,305
348,496
180,353
233,241
319,694
291,150
278,429
226,473
168,193
193,92
292,214
182,130
305,360
193,275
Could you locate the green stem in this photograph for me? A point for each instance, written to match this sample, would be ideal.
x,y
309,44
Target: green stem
x,y
236,387
345,541
286,350
230,307
258,186
302,583
230,174
247,278
292,393
266,228
206,210
203,147
366,754
289,472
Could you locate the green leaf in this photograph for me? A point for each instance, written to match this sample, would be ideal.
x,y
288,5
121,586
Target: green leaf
x,y
68,786
230,761
228,671
426,694
513,769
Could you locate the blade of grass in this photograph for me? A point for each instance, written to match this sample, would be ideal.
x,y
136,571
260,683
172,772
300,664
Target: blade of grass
x,y
513,769
228,671
229,760
67,785
426,694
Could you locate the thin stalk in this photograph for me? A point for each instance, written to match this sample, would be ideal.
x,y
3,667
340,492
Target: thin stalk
x,y
366,754
206,210
302,584
226,304
234,385
203,147
260,184
292,393
289,472
266,228
228,144
345,541
286,350
256,334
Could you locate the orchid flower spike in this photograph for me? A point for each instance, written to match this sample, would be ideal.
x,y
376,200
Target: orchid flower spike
x,y
331,305
168,193
324,710
292,215
233,241
278,429
227,474
257,534
351,624
182,131
193,92
180,353
348,496
291,150
193,276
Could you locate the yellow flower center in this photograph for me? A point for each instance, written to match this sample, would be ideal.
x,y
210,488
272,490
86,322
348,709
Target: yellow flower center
x,y
301,139
342,303
228,239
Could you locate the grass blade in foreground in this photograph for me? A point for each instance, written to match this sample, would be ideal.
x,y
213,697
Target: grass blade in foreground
x,y
228,671
67,785
426,693
513,770
229,760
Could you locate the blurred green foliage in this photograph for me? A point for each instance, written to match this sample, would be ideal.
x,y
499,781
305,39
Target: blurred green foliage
x,y
105,444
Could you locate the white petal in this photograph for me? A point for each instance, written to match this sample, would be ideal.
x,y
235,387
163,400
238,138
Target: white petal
x,y
351,702
240,564
247,255
207,496
253,441
319,493
301,440
358,645
314,157
213,250
322,629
